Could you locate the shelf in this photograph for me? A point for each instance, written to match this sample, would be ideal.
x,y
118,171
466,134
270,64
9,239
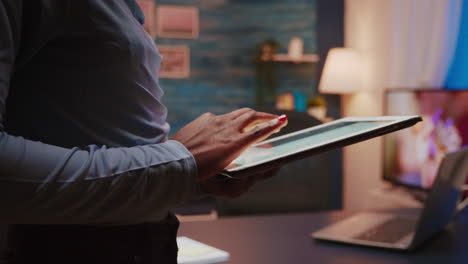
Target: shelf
x,y
304,58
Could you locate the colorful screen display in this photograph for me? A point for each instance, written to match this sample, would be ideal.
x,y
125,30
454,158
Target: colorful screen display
x,y
412,156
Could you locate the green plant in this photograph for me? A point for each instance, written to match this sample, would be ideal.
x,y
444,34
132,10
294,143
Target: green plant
x,y
316,101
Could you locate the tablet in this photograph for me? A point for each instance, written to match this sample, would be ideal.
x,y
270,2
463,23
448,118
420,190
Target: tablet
x,y
314,140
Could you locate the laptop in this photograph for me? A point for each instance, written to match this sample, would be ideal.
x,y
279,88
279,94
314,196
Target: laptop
x,y
406,229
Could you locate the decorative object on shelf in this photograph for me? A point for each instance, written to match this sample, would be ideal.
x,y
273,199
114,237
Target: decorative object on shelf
x,y
266,51
317,107
148,8
265,72
299,101
175,63
177,21
296,48
285,102
291,101
342,73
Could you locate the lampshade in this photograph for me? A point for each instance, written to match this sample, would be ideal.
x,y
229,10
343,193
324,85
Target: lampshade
x,y
342,73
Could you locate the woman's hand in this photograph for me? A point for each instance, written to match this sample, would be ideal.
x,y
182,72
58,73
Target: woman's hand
x,y
216,140
233,188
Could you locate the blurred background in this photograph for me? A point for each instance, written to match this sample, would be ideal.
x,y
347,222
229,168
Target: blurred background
x,y
317,61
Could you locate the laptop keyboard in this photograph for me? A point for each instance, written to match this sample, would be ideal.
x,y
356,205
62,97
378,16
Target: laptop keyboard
x,y
390,231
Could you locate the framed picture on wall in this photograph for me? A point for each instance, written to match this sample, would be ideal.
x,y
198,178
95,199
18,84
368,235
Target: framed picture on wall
x,y
149,10
175,63
177,21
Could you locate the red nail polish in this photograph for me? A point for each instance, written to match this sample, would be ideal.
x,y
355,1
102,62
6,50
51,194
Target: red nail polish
x,y
282,118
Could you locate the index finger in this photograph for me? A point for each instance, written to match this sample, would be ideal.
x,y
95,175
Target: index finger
x,y
265,130
250,119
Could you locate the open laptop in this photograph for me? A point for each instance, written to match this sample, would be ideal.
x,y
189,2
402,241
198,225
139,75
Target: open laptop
x,y
406,230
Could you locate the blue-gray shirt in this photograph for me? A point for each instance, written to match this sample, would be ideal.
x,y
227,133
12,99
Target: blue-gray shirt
x,y
83,136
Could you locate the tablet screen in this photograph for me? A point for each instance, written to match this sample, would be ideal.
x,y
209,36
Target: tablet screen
x,y
286,145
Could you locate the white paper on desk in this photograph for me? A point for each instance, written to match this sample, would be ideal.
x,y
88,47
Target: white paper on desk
x,y
194,252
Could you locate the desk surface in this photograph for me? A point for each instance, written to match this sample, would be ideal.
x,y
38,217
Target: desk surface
x,y
285,239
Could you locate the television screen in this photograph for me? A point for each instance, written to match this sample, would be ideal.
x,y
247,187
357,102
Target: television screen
x,y
412,156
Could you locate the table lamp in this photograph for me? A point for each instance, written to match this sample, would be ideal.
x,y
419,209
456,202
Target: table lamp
x,y
342,73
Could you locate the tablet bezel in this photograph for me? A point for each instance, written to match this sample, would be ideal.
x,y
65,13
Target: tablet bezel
x,y
396,123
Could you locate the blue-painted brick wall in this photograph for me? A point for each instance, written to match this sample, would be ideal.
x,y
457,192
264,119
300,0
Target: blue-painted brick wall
x,y
222,70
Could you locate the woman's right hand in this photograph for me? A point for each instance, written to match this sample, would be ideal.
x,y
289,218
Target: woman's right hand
x,y
216,140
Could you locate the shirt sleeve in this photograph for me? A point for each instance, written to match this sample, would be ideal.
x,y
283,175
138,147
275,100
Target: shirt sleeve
x,y
45,184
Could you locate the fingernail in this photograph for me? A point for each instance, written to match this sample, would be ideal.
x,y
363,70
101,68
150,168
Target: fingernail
x,y
283,118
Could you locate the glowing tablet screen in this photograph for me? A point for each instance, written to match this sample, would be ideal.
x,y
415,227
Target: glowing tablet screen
x,y
302,140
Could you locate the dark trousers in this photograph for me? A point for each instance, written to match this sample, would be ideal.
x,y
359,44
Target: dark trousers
x,y
69,244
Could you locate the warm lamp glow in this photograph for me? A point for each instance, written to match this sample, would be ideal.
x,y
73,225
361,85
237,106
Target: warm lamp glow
x,y
342,73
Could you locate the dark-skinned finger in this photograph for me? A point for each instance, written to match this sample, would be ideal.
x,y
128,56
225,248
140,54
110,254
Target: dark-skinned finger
x,y
262,132
236,113
247,119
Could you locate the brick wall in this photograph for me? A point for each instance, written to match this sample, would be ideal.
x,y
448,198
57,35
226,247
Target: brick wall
x,y
222,70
